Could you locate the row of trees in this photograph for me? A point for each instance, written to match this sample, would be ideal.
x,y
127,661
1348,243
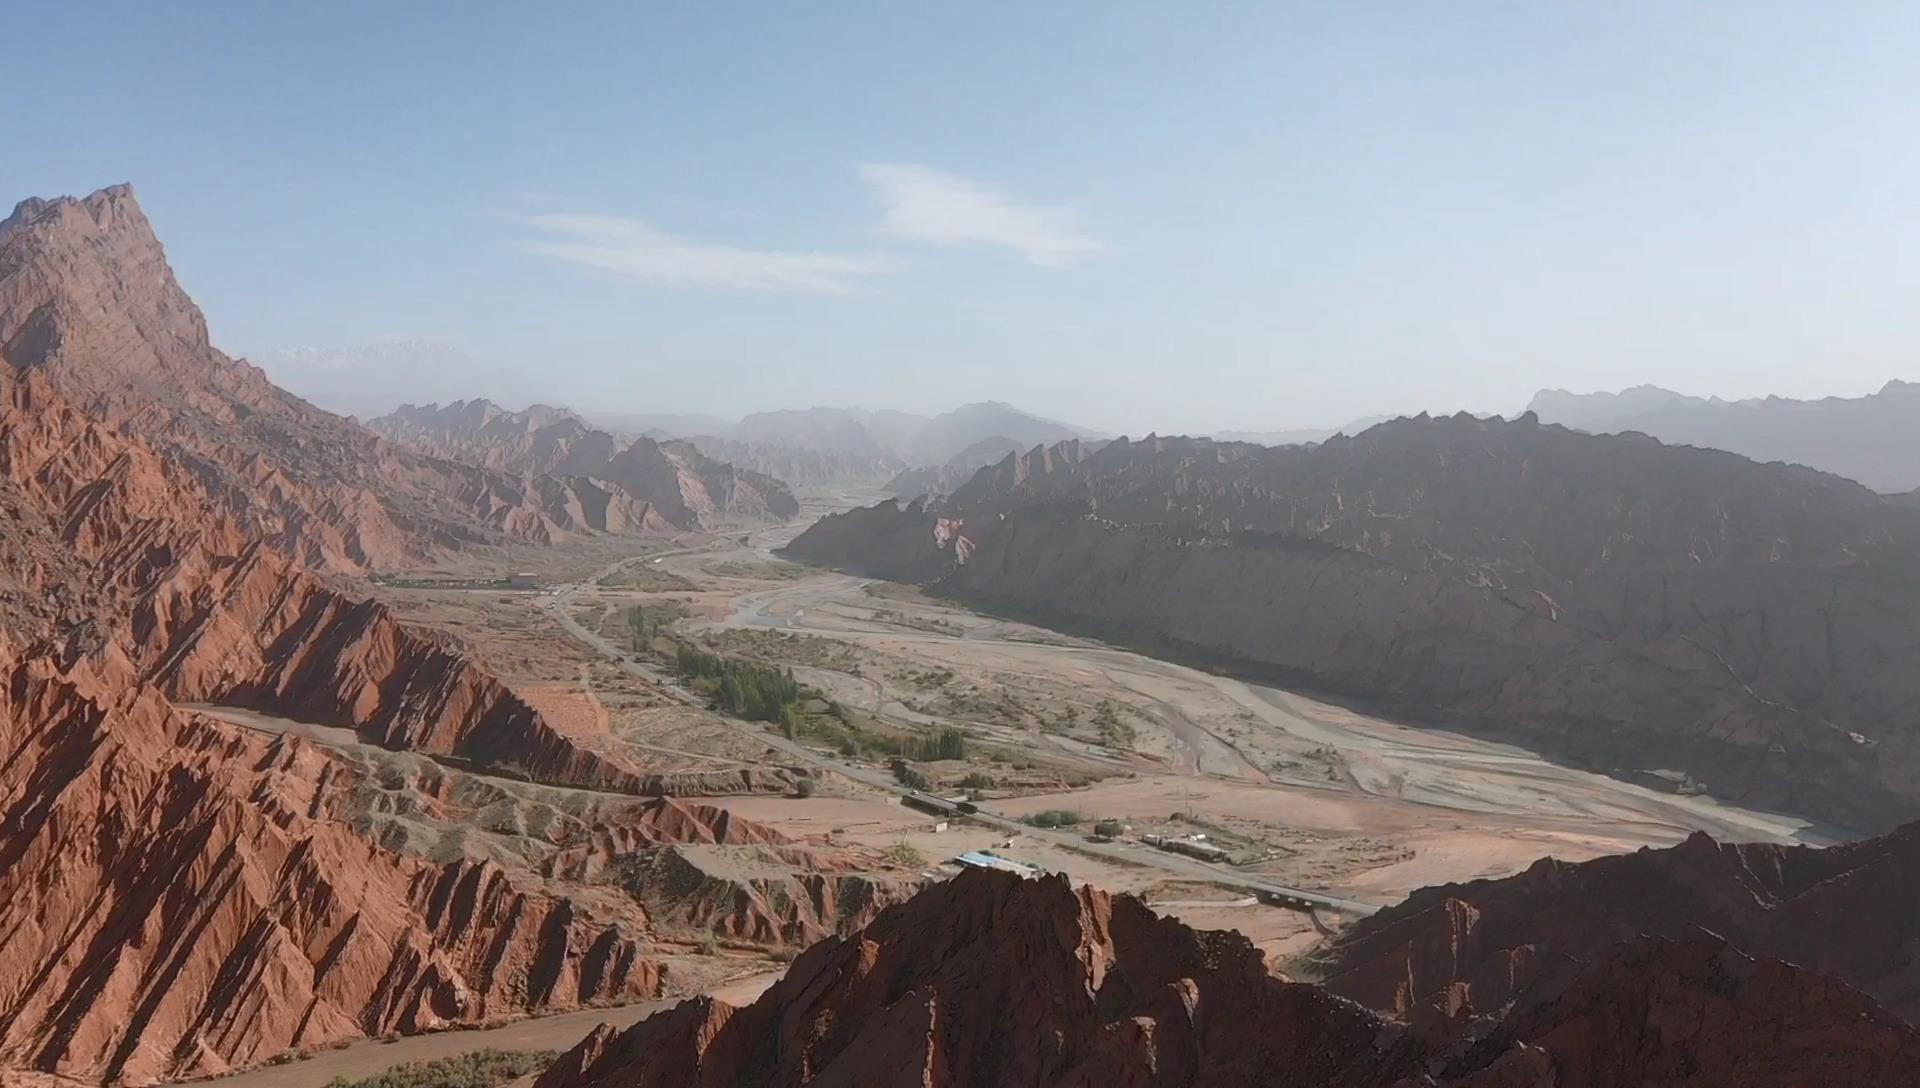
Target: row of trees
x,y
643,626
948,743
760,693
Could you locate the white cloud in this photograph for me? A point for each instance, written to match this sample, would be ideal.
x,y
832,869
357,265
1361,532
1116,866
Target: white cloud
x,y
633,248
925,205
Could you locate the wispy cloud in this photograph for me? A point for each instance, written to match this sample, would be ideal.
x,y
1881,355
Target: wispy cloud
x,y
633,248
925,205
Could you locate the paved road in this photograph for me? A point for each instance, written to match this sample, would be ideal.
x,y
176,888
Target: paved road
x,y
1126,853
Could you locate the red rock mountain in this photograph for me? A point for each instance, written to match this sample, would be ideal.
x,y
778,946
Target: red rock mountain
x,y
684,486
1472,948
170,905
987,981
178,895
1623,604
88,302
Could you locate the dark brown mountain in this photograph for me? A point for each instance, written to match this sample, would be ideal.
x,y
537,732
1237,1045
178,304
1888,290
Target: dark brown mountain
x,y
1451,952
1621,603
686,488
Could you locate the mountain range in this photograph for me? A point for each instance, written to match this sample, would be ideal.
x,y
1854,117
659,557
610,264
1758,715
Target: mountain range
x,y
1874,439
674,483
816,445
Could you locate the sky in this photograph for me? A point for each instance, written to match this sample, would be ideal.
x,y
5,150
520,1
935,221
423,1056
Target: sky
x,y
1134,216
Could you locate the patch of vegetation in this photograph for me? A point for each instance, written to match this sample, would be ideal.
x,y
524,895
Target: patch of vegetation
x,y
1053,817
910,776
757,693
806,787
475,1069
977,780
641,623
904,853
927,680
1109,828
1114,732
647,579
948,743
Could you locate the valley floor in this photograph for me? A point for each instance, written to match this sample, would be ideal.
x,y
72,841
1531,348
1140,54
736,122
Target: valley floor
x,y
1304,792
1301,793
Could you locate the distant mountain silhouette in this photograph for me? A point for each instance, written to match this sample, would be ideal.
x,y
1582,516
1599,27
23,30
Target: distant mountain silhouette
x,y
1874,439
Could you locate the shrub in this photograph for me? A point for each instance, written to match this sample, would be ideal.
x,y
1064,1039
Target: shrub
x,y
805,787
1109,828
474,1069
1054,817
904,853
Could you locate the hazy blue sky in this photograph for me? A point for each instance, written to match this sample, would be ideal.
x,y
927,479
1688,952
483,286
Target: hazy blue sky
x,y
1136,216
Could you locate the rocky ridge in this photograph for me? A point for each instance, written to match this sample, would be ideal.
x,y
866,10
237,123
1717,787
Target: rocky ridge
x,y
990,980
1449,953
675,481
171,905
1615,601
90,307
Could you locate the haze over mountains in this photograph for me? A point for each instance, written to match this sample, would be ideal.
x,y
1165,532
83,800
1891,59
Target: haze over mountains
x,y
853,443
1874,440
677,483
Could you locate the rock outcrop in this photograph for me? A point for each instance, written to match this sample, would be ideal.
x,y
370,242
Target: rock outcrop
x,y
989,980
678,483
1617,602
170,906
1460,949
